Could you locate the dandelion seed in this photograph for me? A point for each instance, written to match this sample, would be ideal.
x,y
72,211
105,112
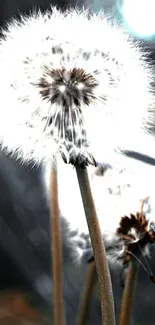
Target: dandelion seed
x,y
63,91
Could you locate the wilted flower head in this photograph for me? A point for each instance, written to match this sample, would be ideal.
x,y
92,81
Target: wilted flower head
x,y
73,83
137,233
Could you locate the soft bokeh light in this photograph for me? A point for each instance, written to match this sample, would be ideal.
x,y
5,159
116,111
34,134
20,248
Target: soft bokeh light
x,y
139,17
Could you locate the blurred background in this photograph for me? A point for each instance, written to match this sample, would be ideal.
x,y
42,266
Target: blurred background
x,y
25,254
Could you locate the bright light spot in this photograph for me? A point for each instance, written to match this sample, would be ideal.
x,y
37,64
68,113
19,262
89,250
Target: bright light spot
x,y
80,85
62,88
139,15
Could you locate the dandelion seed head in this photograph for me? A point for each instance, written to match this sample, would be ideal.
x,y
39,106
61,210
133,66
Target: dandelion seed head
x,y
67,86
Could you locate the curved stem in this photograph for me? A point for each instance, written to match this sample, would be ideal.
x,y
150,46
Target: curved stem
x,y
128,293
107,301
57,261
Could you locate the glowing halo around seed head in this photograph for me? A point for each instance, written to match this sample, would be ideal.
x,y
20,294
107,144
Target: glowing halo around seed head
x,y
138,16
72,96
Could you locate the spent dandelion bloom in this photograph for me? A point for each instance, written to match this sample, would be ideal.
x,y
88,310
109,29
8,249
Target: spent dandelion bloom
x,y
71,82
136,231
137,234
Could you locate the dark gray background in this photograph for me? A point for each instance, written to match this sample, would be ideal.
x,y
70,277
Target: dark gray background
x,y
25,254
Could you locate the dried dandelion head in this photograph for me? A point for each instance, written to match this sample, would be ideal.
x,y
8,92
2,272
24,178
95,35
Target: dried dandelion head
x,y
73,83
137,234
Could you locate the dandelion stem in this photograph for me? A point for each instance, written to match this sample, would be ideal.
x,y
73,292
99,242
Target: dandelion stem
x,y
107,301
58,300
128,293
87,294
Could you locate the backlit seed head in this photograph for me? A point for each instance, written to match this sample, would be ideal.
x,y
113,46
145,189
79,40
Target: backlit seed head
x,y
74,84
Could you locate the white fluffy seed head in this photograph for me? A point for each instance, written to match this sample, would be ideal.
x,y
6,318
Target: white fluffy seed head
x,y
71,81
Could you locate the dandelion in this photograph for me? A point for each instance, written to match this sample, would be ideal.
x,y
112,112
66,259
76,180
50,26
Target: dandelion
x,y
137,234
73,83
64,93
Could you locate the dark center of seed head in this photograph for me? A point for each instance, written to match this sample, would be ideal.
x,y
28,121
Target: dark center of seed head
x,y
71,90
63,87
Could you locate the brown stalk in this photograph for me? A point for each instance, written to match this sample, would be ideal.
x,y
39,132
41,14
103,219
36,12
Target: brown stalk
x,y
87,294
57,261
107,301
140,222
128,293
